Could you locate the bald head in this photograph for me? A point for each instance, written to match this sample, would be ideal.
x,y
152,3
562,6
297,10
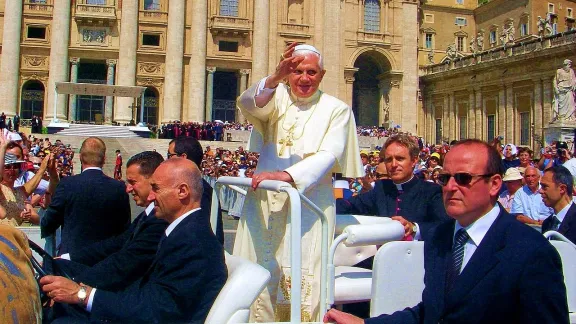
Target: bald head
x,y
92,152
183,171
532,178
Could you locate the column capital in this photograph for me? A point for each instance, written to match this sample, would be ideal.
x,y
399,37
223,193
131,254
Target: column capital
x,y
244,71
350,79
75,60
211,69
111,62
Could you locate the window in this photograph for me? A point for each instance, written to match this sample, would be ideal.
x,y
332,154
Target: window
x,y
372,16
460,2
551,8
151,4
554,28
463,127
36,32
229,8
429,39
429,18
523,29
493,37
96,2
37,1
460,43
438,131
491,131
460,21
150,40
224,46
569,12
524,128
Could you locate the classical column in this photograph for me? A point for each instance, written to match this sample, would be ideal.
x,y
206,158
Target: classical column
x,y
174,61
471,114
127,59
538,110
446,120
259,44
197,67
58,57
331,52
547,95
501,130
109,100
510,120
73,78
410,34
243,86
209,91
10,64
453,117
480,115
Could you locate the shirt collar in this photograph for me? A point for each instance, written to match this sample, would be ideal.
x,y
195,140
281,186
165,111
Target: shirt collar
x,y
177,221
403,185
529,192
92,168
304,101
561,214
480,227
149,209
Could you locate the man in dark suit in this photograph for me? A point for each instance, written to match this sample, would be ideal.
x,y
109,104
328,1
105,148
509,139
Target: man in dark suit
x,y
485,267
556,190
116,262
188,147
417,204
90,206
187,273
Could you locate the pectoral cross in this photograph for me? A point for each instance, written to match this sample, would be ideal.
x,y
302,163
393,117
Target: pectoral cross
x,y
287,141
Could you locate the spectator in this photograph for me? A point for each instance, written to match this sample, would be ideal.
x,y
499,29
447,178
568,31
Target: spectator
x,y
510,160
513,181
525,157
527,205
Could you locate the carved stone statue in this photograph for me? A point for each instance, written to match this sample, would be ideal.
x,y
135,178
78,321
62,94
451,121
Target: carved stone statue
x,y
451,52
507,35
544,25
477,43
564,92
431,57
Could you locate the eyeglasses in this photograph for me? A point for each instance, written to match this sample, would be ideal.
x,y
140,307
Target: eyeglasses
x,y
461,178
381,175
15,166
169,155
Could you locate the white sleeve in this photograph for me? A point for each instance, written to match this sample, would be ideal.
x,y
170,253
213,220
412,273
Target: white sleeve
x,y
264,94
65,256
90,300
308,171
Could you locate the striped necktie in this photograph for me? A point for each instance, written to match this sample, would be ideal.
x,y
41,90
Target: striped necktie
x,y
457,257
555,223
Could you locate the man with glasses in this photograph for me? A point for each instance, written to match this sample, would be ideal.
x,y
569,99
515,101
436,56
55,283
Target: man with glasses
x,y
188,147
483,266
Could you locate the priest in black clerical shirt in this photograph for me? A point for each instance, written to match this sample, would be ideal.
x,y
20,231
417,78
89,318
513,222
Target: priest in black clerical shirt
x,y
415,203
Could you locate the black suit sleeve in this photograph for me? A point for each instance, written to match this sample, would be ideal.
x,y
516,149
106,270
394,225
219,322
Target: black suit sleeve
x,y
54,216
413,315
98,251
542,291
436,213
363,204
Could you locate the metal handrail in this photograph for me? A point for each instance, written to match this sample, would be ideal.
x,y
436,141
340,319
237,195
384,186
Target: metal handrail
x,y
295,199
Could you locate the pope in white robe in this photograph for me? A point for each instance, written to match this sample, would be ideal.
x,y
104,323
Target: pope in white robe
x,y
303,136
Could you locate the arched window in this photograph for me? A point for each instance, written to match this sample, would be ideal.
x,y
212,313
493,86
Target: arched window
x,y
32,100
372,16
229,8
295,11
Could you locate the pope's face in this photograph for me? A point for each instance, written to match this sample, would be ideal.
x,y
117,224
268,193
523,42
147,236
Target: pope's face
x,y
306,78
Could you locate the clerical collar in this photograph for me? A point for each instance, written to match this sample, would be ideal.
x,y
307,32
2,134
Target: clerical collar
x,y
303,101
404,185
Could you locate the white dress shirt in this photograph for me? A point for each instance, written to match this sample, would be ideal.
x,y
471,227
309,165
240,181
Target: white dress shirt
x,y
561,214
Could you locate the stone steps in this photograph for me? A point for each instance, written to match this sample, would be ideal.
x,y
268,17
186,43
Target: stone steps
x,y
98,130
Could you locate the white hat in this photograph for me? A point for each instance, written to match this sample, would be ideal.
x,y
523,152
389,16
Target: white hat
x,y
512,174
11,135
304,47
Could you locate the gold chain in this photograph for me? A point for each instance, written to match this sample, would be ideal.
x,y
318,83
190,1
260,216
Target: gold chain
x,y
290,130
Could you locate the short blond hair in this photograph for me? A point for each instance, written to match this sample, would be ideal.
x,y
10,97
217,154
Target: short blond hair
x,y
403,140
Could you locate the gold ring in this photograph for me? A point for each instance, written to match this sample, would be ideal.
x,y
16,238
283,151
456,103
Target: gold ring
x,y
282,56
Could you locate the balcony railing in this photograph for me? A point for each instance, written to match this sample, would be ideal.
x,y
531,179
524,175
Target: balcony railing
x,y
500,53
153,16
37,7
227,25
301,30
95,13
372,37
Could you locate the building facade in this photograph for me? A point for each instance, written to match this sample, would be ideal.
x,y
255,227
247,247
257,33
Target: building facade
x,y
195,56
500,83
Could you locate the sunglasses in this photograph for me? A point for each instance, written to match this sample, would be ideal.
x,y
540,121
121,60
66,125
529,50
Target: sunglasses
x,y
169,155
15,166
381,175
461,178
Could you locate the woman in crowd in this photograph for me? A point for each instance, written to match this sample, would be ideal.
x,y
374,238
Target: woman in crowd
x,y
525,157
510,157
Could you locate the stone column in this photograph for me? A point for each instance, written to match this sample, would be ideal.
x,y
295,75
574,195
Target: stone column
x,y
547,95
197,73
109,100
410,34
209,91
73,78
446,120
453,117
243,86
501,129
384,89
127,59
510,120
259,43
10,64
480,115
58,57
332,49
537,111
174,61
471,114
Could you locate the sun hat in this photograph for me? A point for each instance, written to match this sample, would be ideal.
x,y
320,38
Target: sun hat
x,y
512,174
10,158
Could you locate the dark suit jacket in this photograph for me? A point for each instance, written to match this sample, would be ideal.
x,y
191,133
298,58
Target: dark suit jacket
x,y
568,225
90,207
421,202
514,276
181,285
206,205
115,263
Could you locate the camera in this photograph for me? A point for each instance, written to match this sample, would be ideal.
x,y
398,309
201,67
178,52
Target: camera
x,y
560,151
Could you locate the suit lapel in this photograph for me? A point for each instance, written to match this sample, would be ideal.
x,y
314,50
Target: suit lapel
x,y
439,258
565,225
484,259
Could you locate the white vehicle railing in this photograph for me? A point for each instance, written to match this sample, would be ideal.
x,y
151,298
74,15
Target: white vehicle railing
x,y
295,199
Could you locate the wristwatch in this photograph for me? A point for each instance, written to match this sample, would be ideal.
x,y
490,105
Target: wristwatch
x,y
82,293
414,228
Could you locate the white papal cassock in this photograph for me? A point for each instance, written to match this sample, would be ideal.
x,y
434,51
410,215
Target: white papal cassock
x,y
322,132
